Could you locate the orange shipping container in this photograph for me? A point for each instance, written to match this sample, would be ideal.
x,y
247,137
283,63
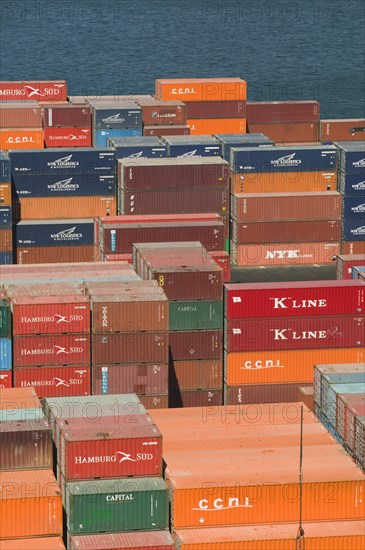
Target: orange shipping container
x,y
36,543
5,194
280,367
201,89
284,253
352,129
30,504
306,394
21,138
294,132
339,535
357,247
284,182
217,126
66,207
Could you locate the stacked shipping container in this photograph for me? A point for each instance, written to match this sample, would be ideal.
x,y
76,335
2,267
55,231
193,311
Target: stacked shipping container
x,y
345,263
5,343
276,332
115,119
6,234
67,125
137,147
352,129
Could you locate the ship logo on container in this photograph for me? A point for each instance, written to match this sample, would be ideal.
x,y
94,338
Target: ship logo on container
x,y
359,163
60,382
61,350
113,119
62,318
358,231
136,155
188,154
288,160
63,185
220,504
64,162
67,235
360,208
155,114
360,185
281,254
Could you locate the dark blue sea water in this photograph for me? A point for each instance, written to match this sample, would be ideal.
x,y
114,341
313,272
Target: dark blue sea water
x,y
285,50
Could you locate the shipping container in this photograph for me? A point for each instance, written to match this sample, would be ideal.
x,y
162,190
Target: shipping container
x,y
41,208
262,393
283,159
5,354
36,543
54,381
20,115
148,540
286,206
282,111
306,298
116,116
178,130
353,247
350,129
224,261
21,138
48,90
196,375
241,140
201,89
284,231
351,156
284,182
194,345
188,147
196,398
4,168
5,193
30,504
101,137
25,445
342,367
137,150
287,132
68,137
353,229
116,505
217,126
349,406
155,401
345,331
360,441
66,116
196,315
5,217
6,258
54,254
351,185
140,378
284,254
24,397
51,289
130,347
54,349
63,161
158,112
57,186
345,263
6,379
358,272
328,411
278,367
6,240
354,207
305,394
215,109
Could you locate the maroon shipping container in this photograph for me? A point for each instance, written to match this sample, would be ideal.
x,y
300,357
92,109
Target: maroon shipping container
x,y
194,375
6,240
120,238
344,331
159,131
174,200
66,116
6,379
128,313
118,451
287,132
173,173
282,111
262,393
294,299
154,401
25,445
55,254
49,90
20,115
286,206
139,540
284,231
54,381
117,258
197,398
160,113
50,315
194,345
215,109
70,349
130,347
141,379
67,137
346,262
356,247
352,129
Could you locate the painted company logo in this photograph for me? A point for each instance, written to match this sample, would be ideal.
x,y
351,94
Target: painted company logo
x,y
220,504
120,498
360,208
155,114
114,119
179,91
105,316
358,231
119,457
360,185
64,162
56,382
288,160
261,365
136,155
281,254
20,139
188,154
280,303
56,350
67,235
281,334
63,185
359,163
56,318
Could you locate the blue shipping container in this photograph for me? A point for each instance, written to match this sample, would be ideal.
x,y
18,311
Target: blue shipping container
x,y
83,160
5,217
353,229
354,207
352,184
5,354
100,136
132,140
191,146
140,151
351,157
117,116
283,159
74,185
6,258
54,233
239,140
357,270
4,168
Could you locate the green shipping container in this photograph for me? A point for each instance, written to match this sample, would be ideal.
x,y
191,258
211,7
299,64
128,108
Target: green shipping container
x,y
196,315
117,505
5,319
228,246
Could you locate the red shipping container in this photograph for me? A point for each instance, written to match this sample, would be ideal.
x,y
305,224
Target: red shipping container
x,y
159,131
344,331
67,137
140,378
160,113
196,398
70,349
346,262
45,90
284,253
130,347
139,540
287,132
67,116
284,231
352,129
154,401
50,315
294,299
118,258
194,345
115,451
20,115
356,247
282,111
6,379
215,109
54,381
223,259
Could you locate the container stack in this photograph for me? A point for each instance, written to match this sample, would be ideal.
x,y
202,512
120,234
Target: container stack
x,y
21,125
345,263
351,184
130,323
305,225
339,398
214,458
6,361
115,119
276,332
285,121
351,129
161,118
6,233
213,105
241,140
192,146
30,500
67,125
359,272
193,283
137,147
